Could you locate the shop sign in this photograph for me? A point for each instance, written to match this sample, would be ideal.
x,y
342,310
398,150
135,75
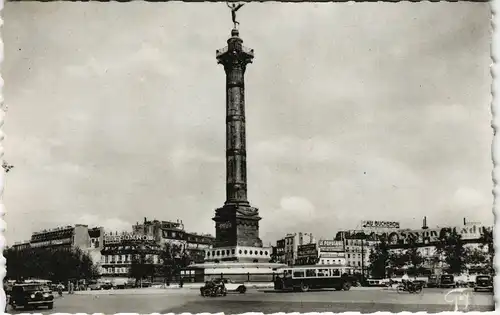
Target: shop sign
x,y
51,243
307,250
380,224
332,255
127,237
331,246
427,236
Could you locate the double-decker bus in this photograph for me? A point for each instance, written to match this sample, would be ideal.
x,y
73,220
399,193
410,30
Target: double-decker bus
x,y
303,278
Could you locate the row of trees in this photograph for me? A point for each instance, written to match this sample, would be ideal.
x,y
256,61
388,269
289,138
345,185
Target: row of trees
x,y
172,259
450,252
58,265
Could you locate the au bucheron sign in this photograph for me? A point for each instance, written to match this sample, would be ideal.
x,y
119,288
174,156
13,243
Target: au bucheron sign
x,y
380,224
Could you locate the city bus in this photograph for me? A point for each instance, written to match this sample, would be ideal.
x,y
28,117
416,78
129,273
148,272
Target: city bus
x,y
303,278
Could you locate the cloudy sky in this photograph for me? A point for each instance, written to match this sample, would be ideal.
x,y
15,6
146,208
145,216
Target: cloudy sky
x,y
354,111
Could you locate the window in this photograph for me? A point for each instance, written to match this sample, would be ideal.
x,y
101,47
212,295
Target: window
x,y
348,255
261,253
266,252
240,251
310,272
250,252
213,253
323,273
233,251
334,272
322,261
208,254
298,274
218,253
246,252
359,263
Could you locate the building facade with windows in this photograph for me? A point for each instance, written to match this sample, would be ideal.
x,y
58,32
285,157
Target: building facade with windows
x,y
331,252
89,240
119,252
357,253
279,251
292,242
174,234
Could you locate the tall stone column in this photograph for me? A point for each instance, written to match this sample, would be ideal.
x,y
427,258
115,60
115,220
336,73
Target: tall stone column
x,y
236,221
235,61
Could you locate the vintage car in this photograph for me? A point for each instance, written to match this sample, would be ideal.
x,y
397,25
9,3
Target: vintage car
x,y
232,286
227,285
447,281
432,281
31,295
99,285
483,283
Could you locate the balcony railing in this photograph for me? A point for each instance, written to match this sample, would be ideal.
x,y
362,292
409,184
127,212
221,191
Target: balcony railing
x,y
224,50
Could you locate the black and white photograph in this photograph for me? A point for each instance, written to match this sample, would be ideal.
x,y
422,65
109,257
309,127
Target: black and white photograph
x,y
233,157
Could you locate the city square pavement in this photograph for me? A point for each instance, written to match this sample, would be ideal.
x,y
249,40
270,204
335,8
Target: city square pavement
x,y
261,300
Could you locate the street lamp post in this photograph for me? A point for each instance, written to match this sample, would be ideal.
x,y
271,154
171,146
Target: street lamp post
x,y
362,258
363,238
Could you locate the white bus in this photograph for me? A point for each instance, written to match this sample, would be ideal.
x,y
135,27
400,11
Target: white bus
x,y
303,278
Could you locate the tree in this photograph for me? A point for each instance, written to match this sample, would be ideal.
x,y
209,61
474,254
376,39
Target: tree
x,y
486,240
396,261
58,265
173,258
141,266
475,256
379,259
450,245
414,257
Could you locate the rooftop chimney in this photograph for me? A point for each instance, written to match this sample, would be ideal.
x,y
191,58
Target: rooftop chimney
x,y
424,225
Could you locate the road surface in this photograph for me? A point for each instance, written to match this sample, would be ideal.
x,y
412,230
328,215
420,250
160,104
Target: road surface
x,y
266,301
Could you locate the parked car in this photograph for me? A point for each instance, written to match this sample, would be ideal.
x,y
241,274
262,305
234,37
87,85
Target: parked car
x,y
99,285
484,282
447,281
31,295
433,281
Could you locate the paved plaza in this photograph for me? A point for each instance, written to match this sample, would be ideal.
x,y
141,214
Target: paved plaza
x,y
261,300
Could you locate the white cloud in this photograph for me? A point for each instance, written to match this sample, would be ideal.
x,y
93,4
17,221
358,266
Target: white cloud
x,y
470,198
109,224
313,150
186,155
292,211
